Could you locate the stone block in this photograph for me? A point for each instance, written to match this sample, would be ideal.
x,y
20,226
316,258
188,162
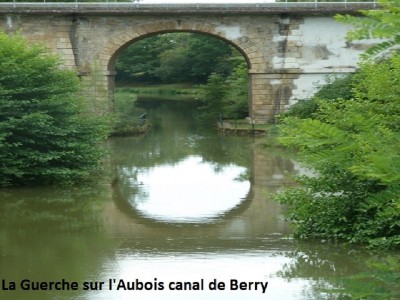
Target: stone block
x,y
279,38
290,60
258,60
278,60
296,32
261,99
141,31
291,65
206,28
261,92
64,51
255,55
63,45
292,43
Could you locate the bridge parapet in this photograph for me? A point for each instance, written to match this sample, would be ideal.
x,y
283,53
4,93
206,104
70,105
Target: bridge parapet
x,y
304,7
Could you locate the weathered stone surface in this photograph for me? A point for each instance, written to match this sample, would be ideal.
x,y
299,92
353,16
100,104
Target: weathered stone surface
x,y
287,54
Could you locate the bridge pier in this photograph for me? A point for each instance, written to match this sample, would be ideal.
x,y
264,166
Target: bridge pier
x,y
98,91
270,93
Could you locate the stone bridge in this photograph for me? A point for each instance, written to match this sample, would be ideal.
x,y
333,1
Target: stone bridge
x,y
289,47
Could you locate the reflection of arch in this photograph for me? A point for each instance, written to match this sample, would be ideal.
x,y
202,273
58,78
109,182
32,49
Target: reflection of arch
x,y
257,216
126,208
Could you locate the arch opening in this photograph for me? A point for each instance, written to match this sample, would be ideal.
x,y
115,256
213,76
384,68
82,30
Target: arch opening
x,y
128,43
193,59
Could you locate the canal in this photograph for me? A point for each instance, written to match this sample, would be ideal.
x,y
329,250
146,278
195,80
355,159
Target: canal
x,y
188,215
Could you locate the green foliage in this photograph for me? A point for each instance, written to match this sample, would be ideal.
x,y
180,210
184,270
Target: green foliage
x,y
352,145
191,58
383,24
226,96
175,58
380,282
335,87
235,102
302,109
128,121
46,136
214,93
139,61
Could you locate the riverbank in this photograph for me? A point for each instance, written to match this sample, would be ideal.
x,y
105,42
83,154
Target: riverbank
x,y
243,127
162,89
131,120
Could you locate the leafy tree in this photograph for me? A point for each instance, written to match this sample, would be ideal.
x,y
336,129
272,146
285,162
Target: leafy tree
x,y
226,96
46,134
174,66
191,58
382,23
175,58
336,87
214,93
353,147
209,55
139,61
235,101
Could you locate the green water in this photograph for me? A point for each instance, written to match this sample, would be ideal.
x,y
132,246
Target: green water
x,y
188,216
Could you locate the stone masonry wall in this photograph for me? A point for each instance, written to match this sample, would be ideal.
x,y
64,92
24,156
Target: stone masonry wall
x,y
286,54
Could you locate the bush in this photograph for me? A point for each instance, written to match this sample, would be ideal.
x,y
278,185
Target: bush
x,y
235,102
353,146
227,96
128,120
302,109
214,93
335,88
46,134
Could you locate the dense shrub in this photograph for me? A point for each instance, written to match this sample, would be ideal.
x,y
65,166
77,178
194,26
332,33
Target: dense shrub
x,y
302,109
46,135
353,146
226,96
335,88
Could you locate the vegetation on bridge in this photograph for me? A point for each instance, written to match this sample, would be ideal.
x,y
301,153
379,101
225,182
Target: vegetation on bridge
x,y
46,134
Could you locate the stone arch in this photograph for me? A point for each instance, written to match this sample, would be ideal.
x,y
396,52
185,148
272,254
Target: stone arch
x,y
128,36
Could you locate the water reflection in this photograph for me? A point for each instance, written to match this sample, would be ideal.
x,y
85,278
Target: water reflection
x,y
196,190
97,233
186,267
187,191
49,233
